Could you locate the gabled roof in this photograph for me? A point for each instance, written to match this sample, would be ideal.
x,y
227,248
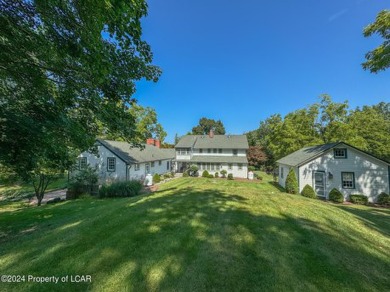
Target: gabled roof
x,y
307,154
136,155
218,141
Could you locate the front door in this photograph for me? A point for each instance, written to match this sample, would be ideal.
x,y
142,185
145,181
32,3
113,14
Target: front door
x,y
319,183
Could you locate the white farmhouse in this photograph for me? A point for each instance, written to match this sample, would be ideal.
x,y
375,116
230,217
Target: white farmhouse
x,y
119,161
213,153
337,165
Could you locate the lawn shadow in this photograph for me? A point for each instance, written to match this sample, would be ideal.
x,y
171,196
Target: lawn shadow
x,y
376,218
198,240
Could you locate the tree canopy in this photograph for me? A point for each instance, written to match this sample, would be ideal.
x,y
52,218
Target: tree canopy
x,y
65,70
379,58
205,125
324,122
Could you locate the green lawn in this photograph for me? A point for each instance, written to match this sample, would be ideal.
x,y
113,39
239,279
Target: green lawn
x,y
198,234
13,197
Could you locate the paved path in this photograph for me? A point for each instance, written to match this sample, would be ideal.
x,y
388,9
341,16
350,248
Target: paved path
x,y
50,195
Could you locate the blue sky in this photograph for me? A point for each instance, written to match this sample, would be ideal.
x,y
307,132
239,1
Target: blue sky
x,y
242,61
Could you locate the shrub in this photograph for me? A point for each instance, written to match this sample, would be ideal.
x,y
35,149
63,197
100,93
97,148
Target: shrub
x,y
308,192
185,174
230,176
383,199
167,175
205,173
251,168
83,182
358,199
121,189
292,182
259,177
211,176
223,173
336,196
216,174
193,170
156,178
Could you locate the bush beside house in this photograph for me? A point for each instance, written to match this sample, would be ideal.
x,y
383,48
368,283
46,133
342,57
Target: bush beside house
x,y
121,189
359,199
383,199
336,196
292,182
308,192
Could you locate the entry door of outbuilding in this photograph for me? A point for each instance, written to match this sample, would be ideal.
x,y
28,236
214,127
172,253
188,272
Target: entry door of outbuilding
x,y
319,183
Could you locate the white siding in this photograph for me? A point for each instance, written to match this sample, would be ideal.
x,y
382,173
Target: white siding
x,y
225,152
371,175
101,164
286,169
239,173
141,173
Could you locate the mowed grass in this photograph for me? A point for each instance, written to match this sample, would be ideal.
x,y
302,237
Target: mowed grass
x,y
198,234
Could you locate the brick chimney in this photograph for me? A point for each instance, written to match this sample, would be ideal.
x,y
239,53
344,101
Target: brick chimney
x,y
154,142
211,134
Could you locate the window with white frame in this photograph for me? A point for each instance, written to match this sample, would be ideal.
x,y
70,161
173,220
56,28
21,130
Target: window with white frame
x,y
209,150
82,162
340,153
200,150
348,180
136,166
152,164
111,164
281,171
235,152
147,167
167,165
240,166
219,151
230,166
159,162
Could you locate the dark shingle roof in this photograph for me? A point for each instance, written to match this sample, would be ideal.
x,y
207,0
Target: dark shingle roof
x,y
218,141
135,155
305,154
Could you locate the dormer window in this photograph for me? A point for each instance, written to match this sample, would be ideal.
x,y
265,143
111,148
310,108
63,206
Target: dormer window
x,y
235,152
340,153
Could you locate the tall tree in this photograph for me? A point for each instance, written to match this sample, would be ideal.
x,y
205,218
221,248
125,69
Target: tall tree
x,y
146,126
205,125
66,69
379,58
373,128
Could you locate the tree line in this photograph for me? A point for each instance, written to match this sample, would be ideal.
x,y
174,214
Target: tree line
x,y
367,128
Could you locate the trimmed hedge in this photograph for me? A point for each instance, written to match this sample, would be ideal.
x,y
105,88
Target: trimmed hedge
x,y
211,176
309,192
358,199
216,174
292,182
121,189
205,174
336,196
383,199
230,176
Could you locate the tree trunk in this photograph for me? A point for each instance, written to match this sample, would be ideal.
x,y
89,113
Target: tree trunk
x,y
40,186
